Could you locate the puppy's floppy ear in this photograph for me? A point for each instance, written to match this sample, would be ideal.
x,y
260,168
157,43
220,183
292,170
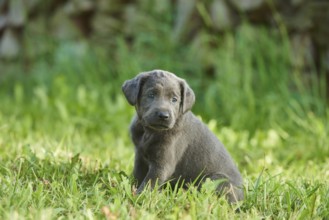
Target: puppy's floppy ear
x,y
132,87
188,97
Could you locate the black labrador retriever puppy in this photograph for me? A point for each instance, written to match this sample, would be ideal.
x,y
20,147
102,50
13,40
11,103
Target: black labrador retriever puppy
x,y
171,143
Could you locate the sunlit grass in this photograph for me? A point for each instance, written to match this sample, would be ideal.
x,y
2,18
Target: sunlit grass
x,y
65,150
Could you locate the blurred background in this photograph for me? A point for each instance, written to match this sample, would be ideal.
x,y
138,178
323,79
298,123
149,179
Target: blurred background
x,y
259,69
255,65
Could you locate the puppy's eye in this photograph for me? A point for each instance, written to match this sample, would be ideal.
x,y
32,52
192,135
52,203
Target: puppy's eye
x,y
174,99
151,95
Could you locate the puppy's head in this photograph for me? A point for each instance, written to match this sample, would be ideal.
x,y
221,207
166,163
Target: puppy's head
x,y
160,98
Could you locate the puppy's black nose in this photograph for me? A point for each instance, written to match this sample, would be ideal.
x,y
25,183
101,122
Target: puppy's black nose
x,y
163,115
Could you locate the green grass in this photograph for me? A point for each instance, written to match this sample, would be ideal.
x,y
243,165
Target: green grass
x,y
65,150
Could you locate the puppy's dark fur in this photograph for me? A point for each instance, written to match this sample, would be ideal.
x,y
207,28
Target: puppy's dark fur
x,y
171,143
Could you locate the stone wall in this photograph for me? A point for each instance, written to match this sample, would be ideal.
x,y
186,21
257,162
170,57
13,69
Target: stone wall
x,y
305,21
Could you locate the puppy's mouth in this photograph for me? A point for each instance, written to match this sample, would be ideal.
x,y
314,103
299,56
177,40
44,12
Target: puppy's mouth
x,y
159,126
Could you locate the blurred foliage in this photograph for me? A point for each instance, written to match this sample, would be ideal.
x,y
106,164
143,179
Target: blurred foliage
x,y
248,82
251,86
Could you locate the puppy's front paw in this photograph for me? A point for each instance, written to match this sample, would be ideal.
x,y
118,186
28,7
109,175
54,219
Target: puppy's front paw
x,y
140,189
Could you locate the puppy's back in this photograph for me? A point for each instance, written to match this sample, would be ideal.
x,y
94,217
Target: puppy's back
x,y
206,153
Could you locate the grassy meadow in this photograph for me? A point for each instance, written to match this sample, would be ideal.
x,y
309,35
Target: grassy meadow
x,y
65,151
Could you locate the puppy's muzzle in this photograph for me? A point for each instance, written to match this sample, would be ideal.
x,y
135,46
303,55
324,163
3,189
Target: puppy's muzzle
x,y
160,119
163,115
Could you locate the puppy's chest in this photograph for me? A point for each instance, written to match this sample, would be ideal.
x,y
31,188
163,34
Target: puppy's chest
x,y
153,146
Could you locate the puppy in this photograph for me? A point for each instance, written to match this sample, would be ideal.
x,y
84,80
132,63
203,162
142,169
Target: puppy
x,y
171,143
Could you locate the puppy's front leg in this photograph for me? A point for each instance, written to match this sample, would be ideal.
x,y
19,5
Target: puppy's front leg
x,y
156,175
140,169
